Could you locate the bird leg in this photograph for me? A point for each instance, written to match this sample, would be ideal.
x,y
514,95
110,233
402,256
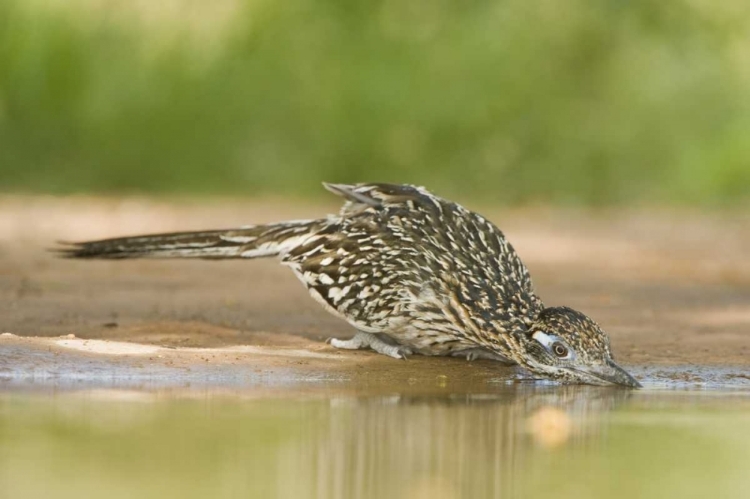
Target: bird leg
x,y
363,340
481,353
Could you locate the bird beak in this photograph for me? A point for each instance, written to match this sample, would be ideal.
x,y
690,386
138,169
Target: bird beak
x,y
611,373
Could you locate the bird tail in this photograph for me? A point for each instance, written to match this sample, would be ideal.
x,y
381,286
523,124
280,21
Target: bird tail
x,y
246,242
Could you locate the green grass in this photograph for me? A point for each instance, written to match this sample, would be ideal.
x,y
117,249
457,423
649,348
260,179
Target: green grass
x,y
509,101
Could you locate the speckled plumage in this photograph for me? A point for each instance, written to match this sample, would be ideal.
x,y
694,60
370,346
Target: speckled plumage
x,y
427,272
410,271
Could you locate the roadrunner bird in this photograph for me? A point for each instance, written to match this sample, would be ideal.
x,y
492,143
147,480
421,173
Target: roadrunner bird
x,y
413,273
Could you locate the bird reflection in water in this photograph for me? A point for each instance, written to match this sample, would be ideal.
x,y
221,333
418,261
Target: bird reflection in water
x,y
442,447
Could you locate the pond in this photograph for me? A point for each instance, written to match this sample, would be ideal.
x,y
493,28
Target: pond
x,y
507,439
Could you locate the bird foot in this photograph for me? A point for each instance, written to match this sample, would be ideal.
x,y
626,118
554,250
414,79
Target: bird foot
x,y
481,353
369,340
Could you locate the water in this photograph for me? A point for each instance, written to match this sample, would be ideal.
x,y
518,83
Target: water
x,y
508,440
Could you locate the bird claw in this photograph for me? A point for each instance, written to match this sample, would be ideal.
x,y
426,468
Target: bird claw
x,y
403,353
478,353
368,340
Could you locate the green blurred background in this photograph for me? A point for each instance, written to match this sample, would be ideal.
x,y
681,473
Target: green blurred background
x,y
512,102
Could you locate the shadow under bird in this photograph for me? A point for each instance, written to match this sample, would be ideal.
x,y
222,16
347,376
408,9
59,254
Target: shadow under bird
x,y
413,273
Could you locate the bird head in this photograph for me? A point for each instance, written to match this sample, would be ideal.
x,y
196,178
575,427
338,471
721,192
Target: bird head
x,y
567,346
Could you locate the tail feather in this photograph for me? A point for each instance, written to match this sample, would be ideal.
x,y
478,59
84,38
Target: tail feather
x,y
247,242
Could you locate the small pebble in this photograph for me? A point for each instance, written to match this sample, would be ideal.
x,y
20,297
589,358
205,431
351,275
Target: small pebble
x,y
550,426
7,335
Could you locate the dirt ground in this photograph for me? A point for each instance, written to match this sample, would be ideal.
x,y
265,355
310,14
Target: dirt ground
x,y
671,288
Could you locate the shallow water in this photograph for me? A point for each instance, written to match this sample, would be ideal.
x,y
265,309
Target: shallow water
x,y
512,440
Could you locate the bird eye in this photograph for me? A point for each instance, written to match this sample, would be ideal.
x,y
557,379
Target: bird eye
x,y
559,349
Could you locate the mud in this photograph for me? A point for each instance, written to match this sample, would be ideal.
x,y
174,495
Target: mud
x,y
671,288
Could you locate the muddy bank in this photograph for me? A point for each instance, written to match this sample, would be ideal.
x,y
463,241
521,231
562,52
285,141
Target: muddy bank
x,y
298,368
672,289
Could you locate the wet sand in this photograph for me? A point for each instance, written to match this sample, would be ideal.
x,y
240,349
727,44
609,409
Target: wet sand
x,y
671,288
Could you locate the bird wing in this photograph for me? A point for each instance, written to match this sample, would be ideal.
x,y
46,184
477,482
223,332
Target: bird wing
x,y
398,246
360,197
